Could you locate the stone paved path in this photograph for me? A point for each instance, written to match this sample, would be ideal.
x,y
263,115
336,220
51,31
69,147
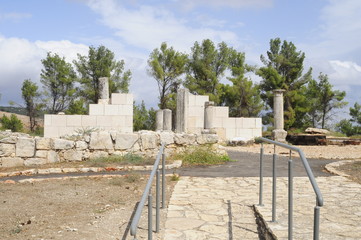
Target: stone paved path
x,y
219,208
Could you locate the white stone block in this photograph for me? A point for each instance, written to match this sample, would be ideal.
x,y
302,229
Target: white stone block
x,y
259,123
221,111
127,129
245,133
191,100
257,132
122,98
96,109
111,110
217,122
229,123
249,123
239,123
58,120
51,131
47,120
66,131
43,143
104,121
200,100
88,121
230,133
125,110
11,162
100,140
61,144
7,150
73,120
118,121
128,122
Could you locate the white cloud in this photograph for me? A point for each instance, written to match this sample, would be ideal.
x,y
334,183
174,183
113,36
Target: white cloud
x,y
345,73
21,59
147,27
190,4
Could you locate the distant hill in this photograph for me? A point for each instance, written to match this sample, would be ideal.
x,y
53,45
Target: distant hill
x,y
17,110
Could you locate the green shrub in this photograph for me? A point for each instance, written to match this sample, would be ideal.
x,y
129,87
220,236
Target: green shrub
x,y
202,156
13,123
129,158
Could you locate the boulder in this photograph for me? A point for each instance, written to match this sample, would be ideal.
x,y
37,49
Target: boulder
x,y
6,150
34,161
101,141
11,162
207,138
184,139
25,147
53,157
73,155
149,140
43,143
62,144
81,145
125,141
317,131
166,137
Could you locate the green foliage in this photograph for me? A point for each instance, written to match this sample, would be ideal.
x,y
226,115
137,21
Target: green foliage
x,y
201,156
143,119
283,70
13,123
127,159
323,100
353,126
77,107
31,95
243,97
207,65
166,66
58,78
101,62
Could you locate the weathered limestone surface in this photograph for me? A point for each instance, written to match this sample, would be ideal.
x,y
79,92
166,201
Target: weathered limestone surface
x,y
25,147
149,140
73,155
62,144
125,141
159,120
167,137
100,141
43,143
104,90
7,150
34,161
207,138
11,161
184,139
167,120
53,157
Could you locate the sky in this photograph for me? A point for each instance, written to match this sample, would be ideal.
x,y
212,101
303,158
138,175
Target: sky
x,y
327,31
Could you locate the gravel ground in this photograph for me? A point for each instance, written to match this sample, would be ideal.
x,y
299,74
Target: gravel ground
x,y
83,208
316,152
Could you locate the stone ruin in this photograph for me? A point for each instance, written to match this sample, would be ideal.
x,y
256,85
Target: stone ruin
x,y
108,130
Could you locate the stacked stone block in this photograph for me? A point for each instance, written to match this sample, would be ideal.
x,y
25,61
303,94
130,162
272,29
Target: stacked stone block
x,y
116,116
24,150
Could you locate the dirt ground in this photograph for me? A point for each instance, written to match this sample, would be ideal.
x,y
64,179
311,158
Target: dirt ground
x,y
83,208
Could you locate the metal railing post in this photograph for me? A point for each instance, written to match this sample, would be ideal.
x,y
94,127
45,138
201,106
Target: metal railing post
x,y
157,202
261,177
163,180
316,226
274,183
150,214
290,197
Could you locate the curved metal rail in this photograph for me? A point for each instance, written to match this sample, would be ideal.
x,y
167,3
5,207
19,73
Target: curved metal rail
x,y
147,195
311,177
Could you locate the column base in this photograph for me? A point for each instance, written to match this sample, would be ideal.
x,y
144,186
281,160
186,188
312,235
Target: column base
x,y
279,135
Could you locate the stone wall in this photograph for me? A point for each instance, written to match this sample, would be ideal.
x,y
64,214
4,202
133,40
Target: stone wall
x,y
118,116
17,149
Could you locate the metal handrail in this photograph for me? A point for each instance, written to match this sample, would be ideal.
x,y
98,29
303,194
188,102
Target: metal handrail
x,y
147,194
311,177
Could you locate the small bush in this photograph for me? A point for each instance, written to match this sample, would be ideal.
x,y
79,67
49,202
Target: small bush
x,y
202,156
13,123
127,159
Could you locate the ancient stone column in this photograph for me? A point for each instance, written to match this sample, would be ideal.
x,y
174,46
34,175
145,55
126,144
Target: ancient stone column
x,y
103,91
182,110
208,114
159,120
278,134
167,120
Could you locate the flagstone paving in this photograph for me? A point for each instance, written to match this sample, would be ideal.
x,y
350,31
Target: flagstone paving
x,y
220,208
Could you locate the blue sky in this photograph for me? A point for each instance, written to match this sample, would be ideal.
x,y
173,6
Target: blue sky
x,y
328,31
